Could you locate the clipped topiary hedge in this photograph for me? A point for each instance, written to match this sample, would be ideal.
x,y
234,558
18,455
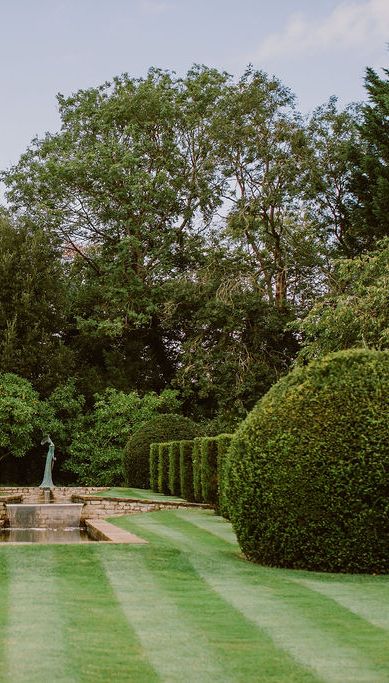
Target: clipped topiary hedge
x,y
196,464
186,470
223,444
174,468
209,474
162,428
154,455
163,467
308,470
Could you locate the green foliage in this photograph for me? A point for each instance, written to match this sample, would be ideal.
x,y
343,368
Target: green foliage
x,y
223,444
235,344
186,470
163,467
97,445
174,468
154,455
122,185
209,473
332,134
357,312
159,429
307,474
66,405
33,306
371,163
24,419
196,464
118,269
261,144
21,415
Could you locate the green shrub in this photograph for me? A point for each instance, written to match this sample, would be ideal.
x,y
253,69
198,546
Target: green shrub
x,y
223,444
20,410
186,470
196,464
174,468
162,428
98,439
209,476
24,418
308,470
154,455
163,467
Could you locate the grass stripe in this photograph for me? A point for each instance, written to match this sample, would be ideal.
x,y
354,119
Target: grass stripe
x,y
4,580
369,602
213,524
245,651
288,615
176,649
209,629
101,645
35,649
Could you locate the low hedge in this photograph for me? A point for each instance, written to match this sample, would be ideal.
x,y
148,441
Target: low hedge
x,y
307,475
209,474
196,464
186,470
154,455
162,428
163,468
223,445
174,468
174,465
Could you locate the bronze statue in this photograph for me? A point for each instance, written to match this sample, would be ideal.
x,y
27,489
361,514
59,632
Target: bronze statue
x,y
47,482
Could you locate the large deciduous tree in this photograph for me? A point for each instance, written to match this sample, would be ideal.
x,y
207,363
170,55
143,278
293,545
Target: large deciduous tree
x,y
261,144
330,201
32,305
234,344
371,179
124,185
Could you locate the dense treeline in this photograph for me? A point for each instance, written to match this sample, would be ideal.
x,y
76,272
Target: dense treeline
x,y
196,234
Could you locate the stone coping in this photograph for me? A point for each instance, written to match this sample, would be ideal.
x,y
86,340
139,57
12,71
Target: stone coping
x,y
101,530
176,503
62,490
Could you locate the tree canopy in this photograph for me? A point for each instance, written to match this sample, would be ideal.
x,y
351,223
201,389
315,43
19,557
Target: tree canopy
x,y
193,233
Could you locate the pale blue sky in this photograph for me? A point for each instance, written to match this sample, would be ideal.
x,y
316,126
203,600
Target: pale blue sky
x,y
316,47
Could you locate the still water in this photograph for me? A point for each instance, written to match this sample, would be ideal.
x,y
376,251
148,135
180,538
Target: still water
x,y
72,535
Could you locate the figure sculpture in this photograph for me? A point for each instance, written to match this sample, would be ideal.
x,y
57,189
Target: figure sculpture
x,y
47,482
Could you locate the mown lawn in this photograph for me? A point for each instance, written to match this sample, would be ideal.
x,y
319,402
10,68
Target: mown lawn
x,y
185,608
144,494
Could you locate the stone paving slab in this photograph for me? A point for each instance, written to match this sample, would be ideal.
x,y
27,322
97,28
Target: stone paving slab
x,y
101,530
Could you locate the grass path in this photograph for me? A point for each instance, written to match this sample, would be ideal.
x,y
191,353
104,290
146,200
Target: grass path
x,y
3,613
34,620
138,494
162,627
185,608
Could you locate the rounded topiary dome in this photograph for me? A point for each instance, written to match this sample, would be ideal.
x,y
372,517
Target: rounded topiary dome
x,y
166,427
307,476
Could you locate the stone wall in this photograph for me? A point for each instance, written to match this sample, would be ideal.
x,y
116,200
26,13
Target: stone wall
x,y
44,515
5,500
60,494
99,508
94,507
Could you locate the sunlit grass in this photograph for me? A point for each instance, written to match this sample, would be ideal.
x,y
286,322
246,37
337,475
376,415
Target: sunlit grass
x,y
187,607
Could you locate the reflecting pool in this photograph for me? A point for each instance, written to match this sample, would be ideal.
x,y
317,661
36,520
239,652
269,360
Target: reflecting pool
x,y
67,535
